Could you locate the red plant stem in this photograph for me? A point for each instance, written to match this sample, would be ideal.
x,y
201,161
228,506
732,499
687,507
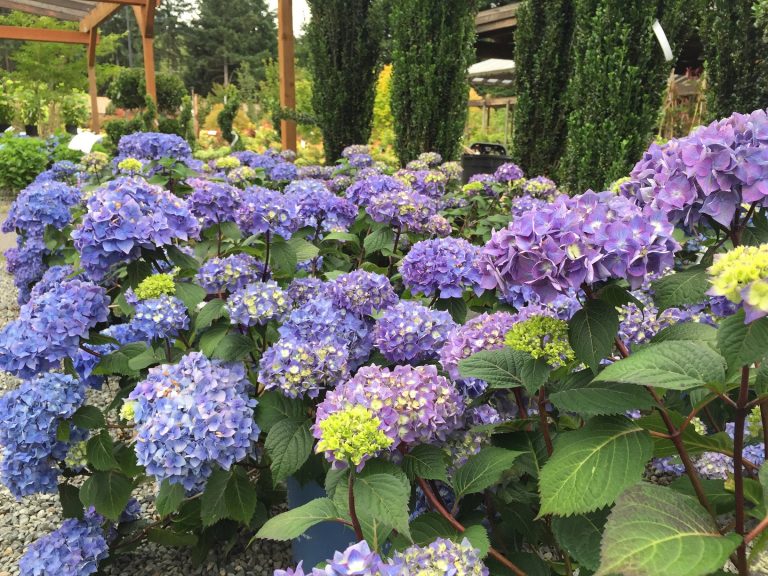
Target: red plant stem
x,y
764,422
544,423
520,402
435,503
756,531
738,471
394,250
84,348
265,274
352,512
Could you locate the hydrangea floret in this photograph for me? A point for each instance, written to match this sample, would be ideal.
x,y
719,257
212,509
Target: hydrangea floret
x,y
351,436
542,337
741,275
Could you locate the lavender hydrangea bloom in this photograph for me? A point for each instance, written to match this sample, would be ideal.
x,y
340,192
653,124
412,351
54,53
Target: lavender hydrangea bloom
x,y
439,226
74,549
508,173
26,264
355,149
452,170
403,209
410,332
414,405
361,292
192,415
366,188
41,205
123,217
521,205
153,146
444,266
255,160
588,238
54,276
319,208
444,556
230,273
282,171
29,419
257,304
263,210
61,171
302,290
213,202
483,184
49,327
430,183
357,560
431,159
299,369
161,317
540,187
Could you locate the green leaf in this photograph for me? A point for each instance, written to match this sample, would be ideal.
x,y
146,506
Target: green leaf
x,y
283,257
289,444
69,496
602,398
721,499
592,330
591,466
742,344
212,310
294,523
169,498
482,470
674,365
655,531
167,537
616,295
428,527
190,294
680,288
211,338
506,368
89,418
274,407
687,331
456,307
240,496
382,498
234,347
304,250
342,237
213,506
580,536
181,259
149,357
426,461
694,442
108,492
478,537
100,452
381,238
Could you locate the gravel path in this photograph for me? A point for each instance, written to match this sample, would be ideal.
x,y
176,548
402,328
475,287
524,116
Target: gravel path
x,y
23,522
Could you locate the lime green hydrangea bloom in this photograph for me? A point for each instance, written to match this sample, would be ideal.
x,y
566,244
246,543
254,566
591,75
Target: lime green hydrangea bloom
x,y
755,424
130,165
227,162
616,186
128,411
542,337
155,286
741,275
352,435
76,457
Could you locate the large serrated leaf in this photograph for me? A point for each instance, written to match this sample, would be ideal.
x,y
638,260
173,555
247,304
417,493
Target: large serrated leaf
x,y
381,238
591,332
483,470
190,294
289,444
426,461
506,368
687,331
742,344
602,398
384,498
686,287
240,496
294,523
274,407
675,365
100,452
212,310
213,506
591,466
655,531
108,492
89,418
169,498
580,536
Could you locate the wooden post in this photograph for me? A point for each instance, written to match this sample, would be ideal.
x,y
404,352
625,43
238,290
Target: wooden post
x,y
195,108
93,38
285,56
145,15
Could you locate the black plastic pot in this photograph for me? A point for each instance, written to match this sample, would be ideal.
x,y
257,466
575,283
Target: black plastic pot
x,y
70,128
472,164
4,127
31,130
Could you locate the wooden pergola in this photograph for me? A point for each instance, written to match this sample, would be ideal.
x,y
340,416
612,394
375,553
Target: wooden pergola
x,y
90,14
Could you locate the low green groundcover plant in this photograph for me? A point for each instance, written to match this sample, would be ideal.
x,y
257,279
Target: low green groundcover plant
x,y
487,379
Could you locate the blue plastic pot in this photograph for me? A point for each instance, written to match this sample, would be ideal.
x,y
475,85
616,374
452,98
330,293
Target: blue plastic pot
x,y
319,542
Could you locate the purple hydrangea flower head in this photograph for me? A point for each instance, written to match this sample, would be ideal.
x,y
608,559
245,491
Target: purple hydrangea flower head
x,y
213,202
320,208
452,170
257,303
192,415
297,368
302,290
592,237
161,317
521,205
361,292
403,209
61,171
443,556
123,217
282,171
263,210
443,266
354,149
508,173
153,146
483,184
365,188
230,273
50,326
30,416
414,404
430,183
74,549
540,187
411,332
438,226
41,205
417,164
431,159
338,184
52,277
26,264
357,560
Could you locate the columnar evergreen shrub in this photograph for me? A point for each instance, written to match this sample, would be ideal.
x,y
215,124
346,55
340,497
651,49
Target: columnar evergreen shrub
x,y
542,58
432,46
616,88
344,39
736,52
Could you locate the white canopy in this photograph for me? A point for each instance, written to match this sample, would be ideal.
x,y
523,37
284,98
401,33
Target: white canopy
x,y
492,71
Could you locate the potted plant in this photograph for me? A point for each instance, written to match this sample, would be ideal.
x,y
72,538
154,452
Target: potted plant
x,y
6,104
32,109
74,111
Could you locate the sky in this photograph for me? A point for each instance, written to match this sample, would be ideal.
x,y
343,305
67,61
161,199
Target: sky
x,y
300,13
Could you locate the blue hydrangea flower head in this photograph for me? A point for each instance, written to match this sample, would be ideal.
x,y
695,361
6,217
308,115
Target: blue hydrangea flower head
x,y
362,292
263,210
230,273
257,304
444,266
411,332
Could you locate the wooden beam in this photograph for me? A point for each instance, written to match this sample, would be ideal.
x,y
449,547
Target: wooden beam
x,y
123,2
501,18
41,9
103,11
43,35
145,16
285,56
93,37
493,102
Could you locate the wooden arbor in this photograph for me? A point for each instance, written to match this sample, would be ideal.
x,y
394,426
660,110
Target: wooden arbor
x,y
90,14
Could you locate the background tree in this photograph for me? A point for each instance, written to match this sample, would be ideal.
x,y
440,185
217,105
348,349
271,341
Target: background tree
x,y
542,58
226,33
171,34
736,52
432,47
616,89
344,37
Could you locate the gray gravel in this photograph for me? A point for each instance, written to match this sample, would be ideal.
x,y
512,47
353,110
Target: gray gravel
x,y
23,522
